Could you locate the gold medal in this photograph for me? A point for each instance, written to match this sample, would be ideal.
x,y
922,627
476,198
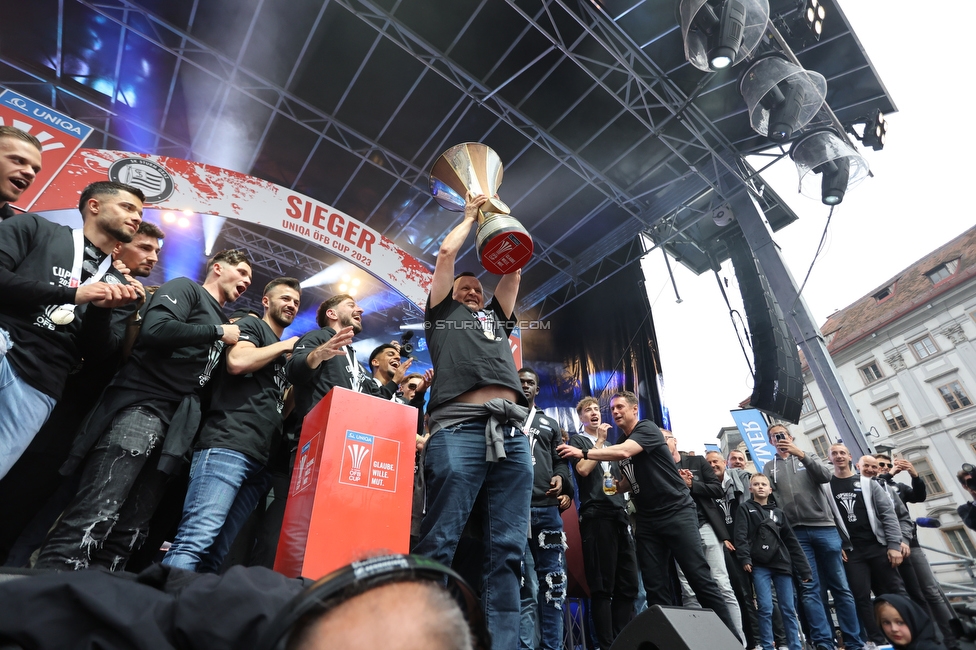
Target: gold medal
x,y
63,315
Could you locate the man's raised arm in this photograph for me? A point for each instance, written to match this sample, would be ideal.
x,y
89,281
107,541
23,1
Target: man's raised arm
x,y
442,284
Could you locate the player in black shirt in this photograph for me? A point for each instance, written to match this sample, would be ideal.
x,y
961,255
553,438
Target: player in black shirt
x,y
48,276
476,406
145,423
228,474
35,478
868,524
324,358
609,559
667,521
20,162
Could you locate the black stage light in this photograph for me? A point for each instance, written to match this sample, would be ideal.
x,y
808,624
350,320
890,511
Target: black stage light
x,y
782,97
835,176
875,131
824,153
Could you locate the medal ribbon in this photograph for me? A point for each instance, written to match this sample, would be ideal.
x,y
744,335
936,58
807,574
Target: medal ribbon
x,y
78,239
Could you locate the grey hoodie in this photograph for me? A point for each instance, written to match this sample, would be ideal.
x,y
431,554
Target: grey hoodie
x,y
796,487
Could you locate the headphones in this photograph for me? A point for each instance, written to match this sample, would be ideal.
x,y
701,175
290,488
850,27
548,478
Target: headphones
x,y
364,575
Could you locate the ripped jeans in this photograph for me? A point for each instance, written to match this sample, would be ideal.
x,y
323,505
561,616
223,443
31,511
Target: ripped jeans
x,y
119,492
547,544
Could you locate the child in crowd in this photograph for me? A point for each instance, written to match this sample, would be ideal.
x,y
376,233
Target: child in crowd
x,y
905,624
767,547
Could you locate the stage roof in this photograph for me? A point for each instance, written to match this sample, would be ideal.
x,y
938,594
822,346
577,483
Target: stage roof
x,y
605,131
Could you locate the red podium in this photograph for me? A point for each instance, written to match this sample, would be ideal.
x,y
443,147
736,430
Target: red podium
x,y
352,485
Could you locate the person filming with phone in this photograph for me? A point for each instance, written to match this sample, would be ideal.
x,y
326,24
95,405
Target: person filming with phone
x,y
967,478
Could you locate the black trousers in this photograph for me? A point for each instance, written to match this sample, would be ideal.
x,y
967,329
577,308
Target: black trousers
x,y
742,586
676,536
611,572
868,569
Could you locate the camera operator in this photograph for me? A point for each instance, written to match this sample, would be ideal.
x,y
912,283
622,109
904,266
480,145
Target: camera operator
x,y
967,478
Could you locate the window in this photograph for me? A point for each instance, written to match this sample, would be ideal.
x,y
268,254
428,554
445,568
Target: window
x,y
959,541
871,373
884,294
955,396
895,419
942,271
807,406
932,485
923,347
822,447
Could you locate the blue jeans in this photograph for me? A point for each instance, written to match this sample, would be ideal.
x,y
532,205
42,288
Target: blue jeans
x,y
529,634
119,491
822,546
225,487
763,580
455,471
23,411
547,543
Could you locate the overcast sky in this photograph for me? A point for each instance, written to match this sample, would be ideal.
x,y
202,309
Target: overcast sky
x,y
916,202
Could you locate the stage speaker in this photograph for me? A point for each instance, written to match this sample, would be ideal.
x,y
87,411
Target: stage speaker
x,y
676,628
778,386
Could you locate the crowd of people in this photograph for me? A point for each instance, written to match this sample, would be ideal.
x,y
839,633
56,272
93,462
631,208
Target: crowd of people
x,y
110,391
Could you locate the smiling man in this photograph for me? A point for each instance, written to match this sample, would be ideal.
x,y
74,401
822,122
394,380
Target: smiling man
x,y
20,162
143,426
229,470
667,522
57,292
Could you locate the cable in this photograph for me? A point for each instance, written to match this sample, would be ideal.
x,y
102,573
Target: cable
x,y
814,260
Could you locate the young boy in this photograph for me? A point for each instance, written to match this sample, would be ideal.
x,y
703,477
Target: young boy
x,y
767,548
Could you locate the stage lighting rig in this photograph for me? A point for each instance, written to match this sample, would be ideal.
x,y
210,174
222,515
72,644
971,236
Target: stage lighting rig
x,y
813,17
875,130
823,153
719,33
782,97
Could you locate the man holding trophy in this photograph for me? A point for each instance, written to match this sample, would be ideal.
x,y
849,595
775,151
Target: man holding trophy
x,y
476,404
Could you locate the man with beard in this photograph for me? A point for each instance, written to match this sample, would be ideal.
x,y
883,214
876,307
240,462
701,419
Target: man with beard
x,y
667,522
48,276
138,434
228,473
324,358
34,479
20,162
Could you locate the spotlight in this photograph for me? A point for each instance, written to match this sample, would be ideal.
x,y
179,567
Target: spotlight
x,y
188,212
782,97
875,131
183,222
813,16
169,217
840,167
720,33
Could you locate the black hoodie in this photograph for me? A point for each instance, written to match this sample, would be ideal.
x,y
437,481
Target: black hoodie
x,y
921,626
789,560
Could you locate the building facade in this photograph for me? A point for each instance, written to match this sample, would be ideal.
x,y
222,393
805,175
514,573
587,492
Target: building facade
x,y
906,352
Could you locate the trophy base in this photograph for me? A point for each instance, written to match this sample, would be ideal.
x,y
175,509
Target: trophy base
x,y
504,245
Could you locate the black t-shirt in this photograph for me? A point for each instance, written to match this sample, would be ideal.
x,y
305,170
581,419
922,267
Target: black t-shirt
x,y
245,410
311,385
593,501
178,347
36,257
544,436
6,211
850,502
469,350
655,485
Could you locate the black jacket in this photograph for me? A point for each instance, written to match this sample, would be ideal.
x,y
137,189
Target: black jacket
x,y
790,558
705,488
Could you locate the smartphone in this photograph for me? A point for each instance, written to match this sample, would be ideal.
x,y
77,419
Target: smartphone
x,y
779,436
